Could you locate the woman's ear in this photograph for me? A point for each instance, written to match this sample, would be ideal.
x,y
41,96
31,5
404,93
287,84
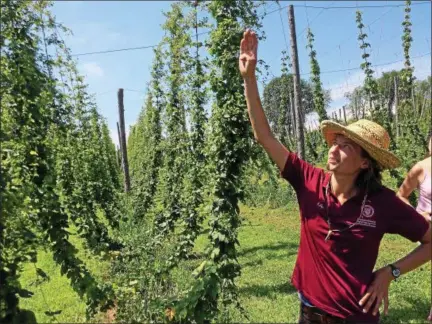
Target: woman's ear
x,y
365,164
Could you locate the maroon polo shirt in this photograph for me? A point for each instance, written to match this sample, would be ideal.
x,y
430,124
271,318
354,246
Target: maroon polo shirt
x,y
334,275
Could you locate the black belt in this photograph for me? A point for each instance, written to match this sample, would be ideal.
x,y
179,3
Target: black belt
x,y
313,315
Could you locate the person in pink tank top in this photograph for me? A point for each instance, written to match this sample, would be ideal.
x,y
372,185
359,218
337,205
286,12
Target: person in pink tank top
x,y
420,177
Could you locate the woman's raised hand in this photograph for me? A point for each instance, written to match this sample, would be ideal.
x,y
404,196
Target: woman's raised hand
x,y
248,54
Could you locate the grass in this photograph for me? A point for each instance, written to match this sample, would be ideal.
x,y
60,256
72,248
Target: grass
x,y
269,241
54,301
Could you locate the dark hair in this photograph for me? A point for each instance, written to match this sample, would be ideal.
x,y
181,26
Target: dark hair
x,y
369,179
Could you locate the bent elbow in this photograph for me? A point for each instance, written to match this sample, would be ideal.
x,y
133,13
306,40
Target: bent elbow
x,y
263,139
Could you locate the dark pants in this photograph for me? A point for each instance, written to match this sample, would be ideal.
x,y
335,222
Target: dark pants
x,y
313,315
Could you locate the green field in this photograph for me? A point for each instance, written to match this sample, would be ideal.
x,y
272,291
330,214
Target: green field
x,y
269,240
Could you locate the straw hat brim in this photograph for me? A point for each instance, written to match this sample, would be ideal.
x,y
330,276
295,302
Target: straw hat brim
x,y
384,158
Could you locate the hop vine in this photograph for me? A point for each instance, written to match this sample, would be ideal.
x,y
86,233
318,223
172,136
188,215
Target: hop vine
x,y
318,93
407,72
175,144
228,149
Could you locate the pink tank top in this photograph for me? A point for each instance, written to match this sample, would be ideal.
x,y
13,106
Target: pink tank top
x,y
425,192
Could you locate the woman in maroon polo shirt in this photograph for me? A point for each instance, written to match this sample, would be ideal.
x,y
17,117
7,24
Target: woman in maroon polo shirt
x,y
344,214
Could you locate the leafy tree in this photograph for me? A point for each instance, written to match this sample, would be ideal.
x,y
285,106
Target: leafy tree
x,y
276,89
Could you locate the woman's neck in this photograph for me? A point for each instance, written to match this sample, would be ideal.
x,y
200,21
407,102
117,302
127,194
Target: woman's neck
x,y
343,186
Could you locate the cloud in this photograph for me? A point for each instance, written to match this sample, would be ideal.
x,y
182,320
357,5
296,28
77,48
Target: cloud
x,y
338,90
114,137
422,66
92,69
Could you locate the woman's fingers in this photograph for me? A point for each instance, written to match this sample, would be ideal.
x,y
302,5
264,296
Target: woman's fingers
x,y
253,43
377,304
248,48
365,298
386,304
369,303
242,46
250,41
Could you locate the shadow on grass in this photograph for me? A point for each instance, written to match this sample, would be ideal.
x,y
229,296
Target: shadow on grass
x,y
25,316
267,290
417,312
272,256
269,247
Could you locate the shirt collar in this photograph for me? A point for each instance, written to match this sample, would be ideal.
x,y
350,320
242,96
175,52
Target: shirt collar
x,y
326,180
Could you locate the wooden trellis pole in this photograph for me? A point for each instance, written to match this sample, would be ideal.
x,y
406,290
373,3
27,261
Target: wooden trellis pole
x,y
297,89
123,141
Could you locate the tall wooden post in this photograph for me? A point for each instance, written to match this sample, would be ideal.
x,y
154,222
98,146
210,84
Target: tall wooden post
x,y
293,116
396,103
297,89
120,147
355,108
123,140
344,114
118,156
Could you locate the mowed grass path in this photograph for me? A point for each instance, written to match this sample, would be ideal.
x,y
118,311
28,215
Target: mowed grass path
x,y
54,300
269,241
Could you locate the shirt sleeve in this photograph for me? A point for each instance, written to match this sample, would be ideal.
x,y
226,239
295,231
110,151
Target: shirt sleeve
x,y
298,172
407,222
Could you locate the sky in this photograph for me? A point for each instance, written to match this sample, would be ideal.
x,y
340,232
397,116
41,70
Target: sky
x,y
111,25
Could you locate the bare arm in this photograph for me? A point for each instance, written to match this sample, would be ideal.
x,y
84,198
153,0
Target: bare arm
x,y
262,132
418,256
378,290
410,183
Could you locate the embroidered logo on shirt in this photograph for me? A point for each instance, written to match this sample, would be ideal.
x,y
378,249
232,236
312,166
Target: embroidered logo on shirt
x,y
368,212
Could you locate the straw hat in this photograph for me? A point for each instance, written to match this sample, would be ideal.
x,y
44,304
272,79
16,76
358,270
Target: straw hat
x,y
372,137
